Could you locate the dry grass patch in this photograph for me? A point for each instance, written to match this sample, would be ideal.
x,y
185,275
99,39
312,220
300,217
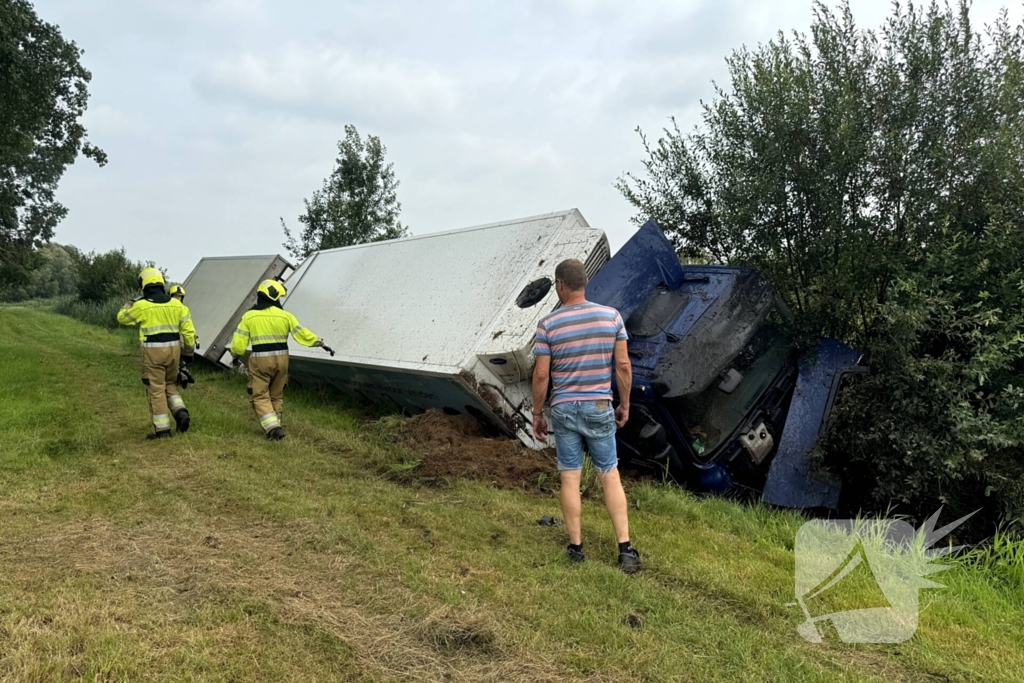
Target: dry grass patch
x,y
219,588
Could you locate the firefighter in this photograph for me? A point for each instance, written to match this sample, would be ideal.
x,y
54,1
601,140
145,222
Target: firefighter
x,y
178,292
164,322
184,376
267,326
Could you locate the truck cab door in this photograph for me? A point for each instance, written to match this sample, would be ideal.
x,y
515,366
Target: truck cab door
x,y
792,480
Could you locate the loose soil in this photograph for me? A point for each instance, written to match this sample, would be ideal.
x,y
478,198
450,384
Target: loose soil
x,y
454,446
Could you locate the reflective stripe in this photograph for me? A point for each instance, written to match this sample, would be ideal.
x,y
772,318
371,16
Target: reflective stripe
x,y
271,338
125,313
155,329
244,333
269,421
150,272
185,318
176,403
264,354
161,421
159,345
297,328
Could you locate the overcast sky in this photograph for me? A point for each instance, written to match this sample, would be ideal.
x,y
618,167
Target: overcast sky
x,y
220,116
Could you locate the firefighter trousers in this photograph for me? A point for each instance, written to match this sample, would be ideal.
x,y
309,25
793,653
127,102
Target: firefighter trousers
x,y
160,374
268,375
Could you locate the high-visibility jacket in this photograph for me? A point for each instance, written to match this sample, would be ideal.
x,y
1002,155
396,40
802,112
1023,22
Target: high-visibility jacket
x,y
167,324
267,329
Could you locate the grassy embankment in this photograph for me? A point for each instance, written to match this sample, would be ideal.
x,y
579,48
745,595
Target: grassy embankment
x,y
220,556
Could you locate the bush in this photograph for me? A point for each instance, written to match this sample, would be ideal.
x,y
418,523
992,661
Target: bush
x,y
106,276
100,313
938,422
104,283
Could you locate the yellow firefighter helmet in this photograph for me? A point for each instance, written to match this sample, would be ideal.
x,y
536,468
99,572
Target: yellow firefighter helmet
x,y
150,276
272,289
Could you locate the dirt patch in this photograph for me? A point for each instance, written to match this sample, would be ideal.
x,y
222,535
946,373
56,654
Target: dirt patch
x,y
634,620
449,633
455,446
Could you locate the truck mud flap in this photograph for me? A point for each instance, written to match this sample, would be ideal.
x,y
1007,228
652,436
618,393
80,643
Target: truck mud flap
x,y
792,481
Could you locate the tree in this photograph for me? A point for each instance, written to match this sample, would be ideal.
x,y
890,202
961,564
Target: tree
x,y
55,274
878,178
44,94
357,203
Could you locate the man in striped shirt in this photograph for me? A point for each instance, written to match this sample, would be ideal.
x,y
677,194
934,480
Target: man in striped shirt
x,y
577,348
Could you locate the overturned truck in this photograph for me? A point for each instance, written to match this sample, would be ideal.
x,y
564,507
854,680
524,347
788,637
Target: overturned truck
x,y
721,400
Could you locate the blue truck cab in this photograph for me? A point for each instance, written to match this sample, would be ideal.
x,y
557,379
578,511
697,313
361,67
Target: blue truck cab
x,y
722,400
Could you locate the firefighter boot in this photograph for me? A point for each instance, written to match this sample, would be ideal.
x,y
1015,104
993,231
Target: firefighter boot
x,y
182,420
275,434
176,405
158,435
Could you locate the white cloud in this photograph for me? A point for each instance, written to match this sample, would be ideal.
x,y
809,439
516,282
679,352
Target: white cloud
x,y
621,13
220,11
104,120
327,81
499,156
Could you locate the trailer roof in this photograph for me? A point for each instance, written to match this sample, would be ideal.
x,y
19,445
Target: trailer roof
x,y
423,302
558,217
269,257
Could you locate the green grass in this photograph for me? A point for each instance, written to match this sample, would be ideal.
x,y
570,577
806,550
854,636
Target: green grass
x,y
218,556
33,303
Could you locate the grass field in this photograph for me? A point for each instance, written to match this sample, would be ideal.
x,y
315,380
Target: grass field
x,y
218,556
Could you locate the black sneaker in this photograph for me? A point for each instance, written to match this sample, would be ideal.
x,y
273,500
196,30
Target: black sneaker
x,y
182,420
575,555
275,434
158,435
629,561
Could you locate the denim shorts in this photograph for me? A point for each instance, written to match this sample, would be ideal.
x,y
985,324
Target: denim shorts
x,y
593,422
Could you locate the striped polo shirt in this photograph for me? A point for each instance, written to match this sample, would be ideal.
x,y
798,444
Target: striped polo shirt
x,y
581,342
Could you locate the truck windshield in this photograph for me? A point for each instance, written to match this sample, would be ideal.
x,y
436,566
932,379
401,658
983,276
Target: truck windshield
x,y
656,312
714,414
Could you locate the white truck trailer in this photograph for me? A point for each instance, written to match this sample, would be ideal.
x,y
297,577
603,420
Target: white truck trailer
x,y
219,290
445,320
